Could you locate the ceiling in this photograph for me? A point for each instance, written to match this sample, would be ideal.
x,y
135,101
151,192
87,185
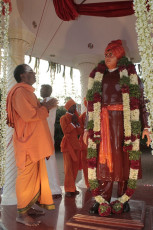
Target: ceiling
x,y
67,42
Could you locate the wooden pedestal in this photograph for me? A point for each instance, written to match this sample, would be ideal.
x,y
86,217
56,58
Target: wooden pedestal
x,y
131,220
151,218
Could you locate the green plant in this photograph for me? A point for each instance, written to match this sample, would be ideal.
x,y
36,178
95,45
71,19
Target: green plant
x,y
58,131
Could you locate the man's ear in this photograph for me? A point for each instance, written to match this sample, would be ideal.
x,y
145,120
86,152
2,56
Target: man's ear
x,y
22,76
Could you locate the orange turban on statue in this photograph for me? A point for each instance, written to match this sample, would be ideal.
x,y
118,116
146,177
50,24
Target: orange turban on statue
x,y
116,48
69,103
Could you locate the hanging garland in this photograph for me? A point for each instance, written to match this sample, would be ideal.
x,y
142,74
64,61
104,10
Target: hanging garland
x,y
71,72
132,129
73,88
36,68
144,27
5,9
57,68
65,88
53,68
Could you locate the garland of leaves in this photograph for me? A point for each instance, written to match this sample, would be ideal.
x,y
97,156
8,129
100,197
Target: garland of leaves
x,y
132,129
36,68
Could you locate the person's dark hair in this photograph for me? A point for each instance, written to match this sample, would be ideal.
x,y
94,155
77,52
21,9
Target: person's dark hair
x,y
45,90
18,71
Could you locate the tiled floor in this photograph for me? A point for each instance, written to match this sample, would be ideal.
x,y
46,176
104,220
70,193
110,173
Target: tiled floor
x,y
68,207
147,168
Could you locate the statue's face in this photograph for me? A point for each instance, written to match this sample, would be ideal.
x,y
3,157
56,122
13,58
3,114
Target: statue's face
x,y
110,60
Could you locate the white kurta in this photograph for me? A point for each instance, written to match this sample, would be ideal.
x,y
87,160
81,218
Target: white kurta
x,y
51,163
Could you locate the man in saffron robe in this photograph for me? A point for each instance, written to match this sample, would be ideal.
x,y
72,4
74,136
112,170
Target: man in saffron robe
x,y
70,147
113,164
32,144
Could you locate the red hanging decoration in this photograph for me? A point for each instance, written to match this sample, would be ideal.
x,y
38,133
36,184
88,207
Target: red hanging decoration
x,y
68,10
7,1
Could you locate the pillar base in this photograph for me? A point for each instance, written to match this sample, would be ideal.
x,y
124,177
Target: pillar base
x,y
11,200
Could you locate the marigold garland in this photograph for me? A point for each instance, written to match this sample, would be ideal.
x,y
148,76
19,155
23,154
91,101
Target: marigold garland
x,y
132,128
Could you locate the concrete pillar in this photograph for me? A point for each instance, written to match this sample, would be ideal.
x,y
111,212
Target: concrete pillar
x,y
85,69
86,65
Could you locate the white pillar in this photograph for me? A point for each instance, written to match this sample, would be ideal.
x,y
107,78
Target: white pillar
x,y
85,63
17,48
85,69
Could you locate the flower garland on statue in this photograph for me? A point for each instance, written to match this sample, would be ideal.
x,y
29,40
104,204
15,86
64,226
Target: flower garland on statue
x,y
132,129
144,27
5,9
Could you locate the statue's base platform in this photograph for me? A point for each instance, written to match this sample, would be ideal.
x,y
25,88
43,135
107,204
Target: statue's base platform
x,y
151,218
131,220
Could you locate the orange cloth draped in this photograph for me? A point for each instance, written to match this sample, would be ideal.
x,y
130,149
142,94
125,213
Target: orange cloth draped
x,y
105,152
70,170
70,147
70,140
31,132
32,186
65,144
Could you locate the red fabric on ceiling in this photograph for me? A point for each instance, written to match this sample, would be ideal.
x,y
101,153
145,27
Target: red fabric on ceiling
x,y
67,10
106,9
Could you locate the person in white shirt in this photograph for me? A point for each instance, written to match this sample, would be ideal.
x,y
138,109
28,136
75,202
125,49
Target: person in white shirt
x,y
45,93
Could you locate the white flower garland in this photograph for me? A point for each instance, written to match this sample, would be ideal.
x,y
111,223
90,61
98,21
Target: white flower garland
x,y
97,110
130,115
126,113
144,28
90,83
3,86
